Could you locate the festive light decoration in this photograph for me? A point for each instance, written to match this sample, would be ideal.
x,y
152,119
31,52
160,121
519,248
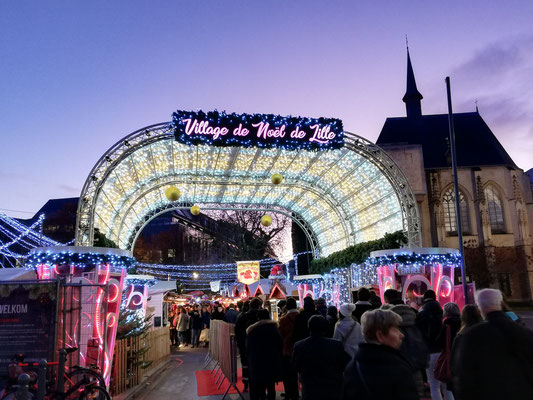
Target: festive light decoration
x,y
426,269
344,196
172,193
266,220
195,210
73,258
101,272
276,179
19,239
262,130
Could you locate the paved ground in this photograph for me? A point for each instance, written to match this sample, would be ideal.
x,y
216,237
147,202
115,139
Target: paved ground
x,y
178,381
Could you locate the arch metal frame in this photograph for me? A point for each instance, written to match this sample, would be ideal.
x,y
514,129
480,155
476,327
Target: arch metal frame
x,y
163,131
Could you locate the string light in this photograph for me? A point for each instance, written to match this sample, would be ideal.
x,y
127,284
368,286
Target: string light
x,y
342,195
69,257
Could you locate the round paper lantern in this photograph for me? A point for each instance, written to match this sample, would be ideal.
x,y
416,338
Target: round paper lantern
x,y
172,193
276,179
195,210
266,220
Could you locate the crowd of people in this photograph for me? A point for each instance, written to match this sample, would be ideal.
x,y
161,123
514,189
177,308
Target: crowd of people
x,y
189,325
369,350
394,350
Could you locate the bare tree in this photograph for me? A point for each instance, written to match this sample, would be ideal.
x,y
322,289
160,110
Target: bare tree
x,y
253,240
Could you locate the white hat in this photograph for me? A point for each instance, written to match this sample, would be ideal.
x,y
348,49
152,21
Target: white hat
x,y
346,309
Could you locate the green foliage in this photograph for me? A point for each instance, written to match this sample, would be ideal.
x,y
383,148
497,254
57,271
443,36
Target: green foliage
x,y
357,253
100,240
132,323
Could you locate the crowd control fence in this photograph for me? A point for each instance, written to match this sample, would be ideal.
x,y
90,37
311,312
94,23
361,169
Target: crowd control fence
x,y
223,353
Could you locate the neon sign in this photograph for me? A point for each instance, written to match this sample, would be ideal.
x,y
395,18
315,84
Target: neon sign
x,y
260,130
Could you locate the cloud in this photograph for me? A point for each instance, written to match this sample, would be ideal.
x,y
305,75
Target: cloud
x,y
498,76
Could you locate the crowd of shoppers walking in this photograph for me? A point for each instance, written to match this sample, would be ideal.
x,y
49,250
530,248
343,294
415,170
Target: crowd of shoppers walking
x,y
368,350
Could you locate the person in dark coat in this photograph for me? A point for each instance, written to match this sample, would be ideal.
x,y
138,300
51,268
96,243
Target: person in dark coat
x,y
263,348
196,318
231,314
429,321
374,299
363,304
331,318
379,370
414,347
301,330
322,307
244,320
218,311
493,359
286,326
392,298
451,324
320,361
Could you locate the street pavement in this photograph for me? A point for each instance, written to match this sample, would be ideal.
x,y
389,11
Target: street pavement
x,y
178,381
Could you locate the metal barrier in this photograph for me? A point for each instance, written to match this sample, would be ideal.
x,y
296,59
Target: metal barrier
x,y
223,351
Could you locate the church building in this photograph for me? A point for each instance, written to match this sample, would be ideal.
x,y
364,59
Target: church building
x,y
495,195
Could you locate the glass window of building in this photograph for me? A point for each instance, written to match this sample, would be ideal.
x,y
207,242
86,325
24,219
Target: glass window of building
x,y
495,210
450,221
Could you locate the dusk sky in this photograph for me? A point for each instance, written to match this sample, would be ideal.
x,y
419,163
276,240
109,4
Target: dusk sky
x,y
76,77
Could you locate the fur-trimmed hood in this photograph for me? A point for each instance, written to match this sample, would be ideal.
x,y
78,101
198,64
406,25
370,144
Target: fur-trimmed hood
x,y
261,323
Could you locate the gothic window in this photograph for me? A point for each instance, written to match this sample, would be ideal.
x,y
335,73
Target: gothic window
x,y
495,210
450,221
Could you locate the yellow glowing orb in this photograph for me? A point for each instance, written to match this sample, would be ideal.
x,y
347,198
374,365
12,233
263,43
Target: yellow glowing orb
x,y
172,193
195,210
266,220
276,179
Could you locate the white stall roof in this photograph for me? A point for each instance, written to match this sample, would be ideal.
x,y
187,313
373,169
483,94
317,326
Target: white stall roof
x,y
17,274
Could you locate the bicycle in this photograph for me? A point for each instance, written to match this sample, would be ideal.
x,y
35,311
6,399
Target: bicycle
x,y
81,383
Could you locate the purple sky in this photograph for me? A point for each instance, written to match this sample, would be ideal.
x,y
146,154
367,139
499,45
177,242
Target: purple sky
x,y
75,77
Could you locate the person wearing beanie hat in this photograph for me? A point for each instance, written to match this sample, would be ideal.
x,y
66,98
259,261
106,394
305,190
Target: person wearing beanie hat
x,y
347,309
348,330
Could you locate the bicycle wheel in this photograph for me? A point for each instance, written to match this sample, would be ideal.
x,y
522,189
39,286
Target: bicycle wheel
x,y
85,375
94,393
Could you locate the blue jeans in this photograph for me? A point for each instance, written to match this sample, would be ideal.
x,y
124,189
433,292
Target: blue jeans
x,y
195,341
181,337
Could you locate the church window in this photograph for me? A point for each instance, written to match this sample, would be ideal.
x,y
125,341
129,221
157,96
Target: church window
x,y
495,210
450,220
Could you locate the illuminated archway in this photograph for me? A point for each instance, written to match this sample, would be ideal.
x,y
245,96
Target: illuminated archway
x,y
339,197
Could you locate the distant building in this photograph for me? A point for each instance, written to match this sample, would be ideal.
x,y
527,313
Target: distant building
x,y
60,218
495,195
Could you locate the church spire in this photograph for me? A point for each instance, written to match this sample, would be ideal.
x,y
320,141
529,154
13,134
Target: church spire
x,y
412,96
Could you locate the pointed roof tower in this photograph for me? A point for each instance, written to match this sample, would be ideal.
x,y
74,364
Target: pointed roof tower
x,y
412,96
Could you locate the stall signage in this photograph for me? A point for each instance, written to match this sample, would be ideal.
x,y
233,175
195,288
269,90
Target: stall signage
x,y
412,270
261,130
248,272
27,321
